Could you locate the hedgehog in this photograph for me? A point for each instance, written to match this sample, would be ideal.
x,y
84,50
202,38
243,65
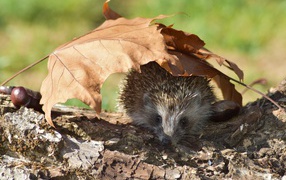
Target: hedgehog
x,y
173,107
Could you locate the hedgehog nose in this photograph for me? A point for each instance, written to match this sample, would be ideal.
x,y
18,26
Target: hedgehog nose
x,y
166,141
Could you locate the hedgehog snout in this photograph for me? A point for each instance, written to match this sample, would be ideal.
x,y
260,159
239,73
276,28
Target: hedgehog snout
x,y
166,140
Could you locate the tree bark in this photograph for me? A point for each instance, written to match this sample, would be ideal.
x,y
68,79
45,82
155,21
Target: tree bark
x,y
83,146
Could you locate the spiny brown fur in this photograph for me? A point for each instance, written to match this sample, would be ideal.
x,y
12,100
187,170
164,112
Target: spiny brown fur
x,y
154,93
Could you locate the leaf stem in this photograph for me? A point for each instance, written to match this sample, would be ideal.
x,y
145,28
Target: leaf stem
x,y
257,91
24,69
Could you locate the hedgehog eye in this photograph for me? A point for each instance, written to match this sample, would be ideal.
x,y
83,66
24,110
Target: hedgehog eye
x,y
158,119
183,122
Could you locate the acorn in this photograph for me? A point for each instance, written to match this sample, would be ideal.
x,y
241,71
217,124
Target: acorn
x,y
20,97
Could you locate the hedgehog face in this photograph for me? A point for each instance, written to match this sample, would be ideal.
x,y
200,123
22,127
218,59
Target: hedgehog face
x,y
174,119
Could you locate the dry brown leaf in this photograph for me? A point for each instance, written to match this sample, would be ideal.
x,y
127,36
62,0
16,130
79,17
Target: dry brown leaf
x,y
228,89
78,69
236,69
207,54
191,55
193,65
181,41
109,13
191,44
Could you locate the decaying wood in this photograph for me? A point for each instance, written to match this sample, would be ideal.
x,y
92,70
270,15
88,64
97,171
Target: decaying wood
x,y
83,146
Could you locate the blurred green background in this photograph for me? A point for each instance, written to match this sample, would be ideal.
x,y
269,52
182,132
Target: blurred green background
x,y
250,33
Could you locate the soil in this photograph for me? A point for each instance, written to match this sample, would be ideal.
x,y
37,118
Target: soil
x,y
86,146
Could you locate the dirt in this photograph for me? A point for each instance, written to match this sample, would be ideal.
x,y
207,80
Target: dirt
x,y
84,146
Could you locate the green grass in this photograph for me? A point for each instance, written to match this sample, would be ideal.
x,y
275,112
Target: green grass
x,y
250,33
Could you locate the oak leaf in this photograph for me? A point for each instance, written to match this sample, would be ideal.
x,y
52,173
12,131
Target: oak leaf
x,y
79,68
